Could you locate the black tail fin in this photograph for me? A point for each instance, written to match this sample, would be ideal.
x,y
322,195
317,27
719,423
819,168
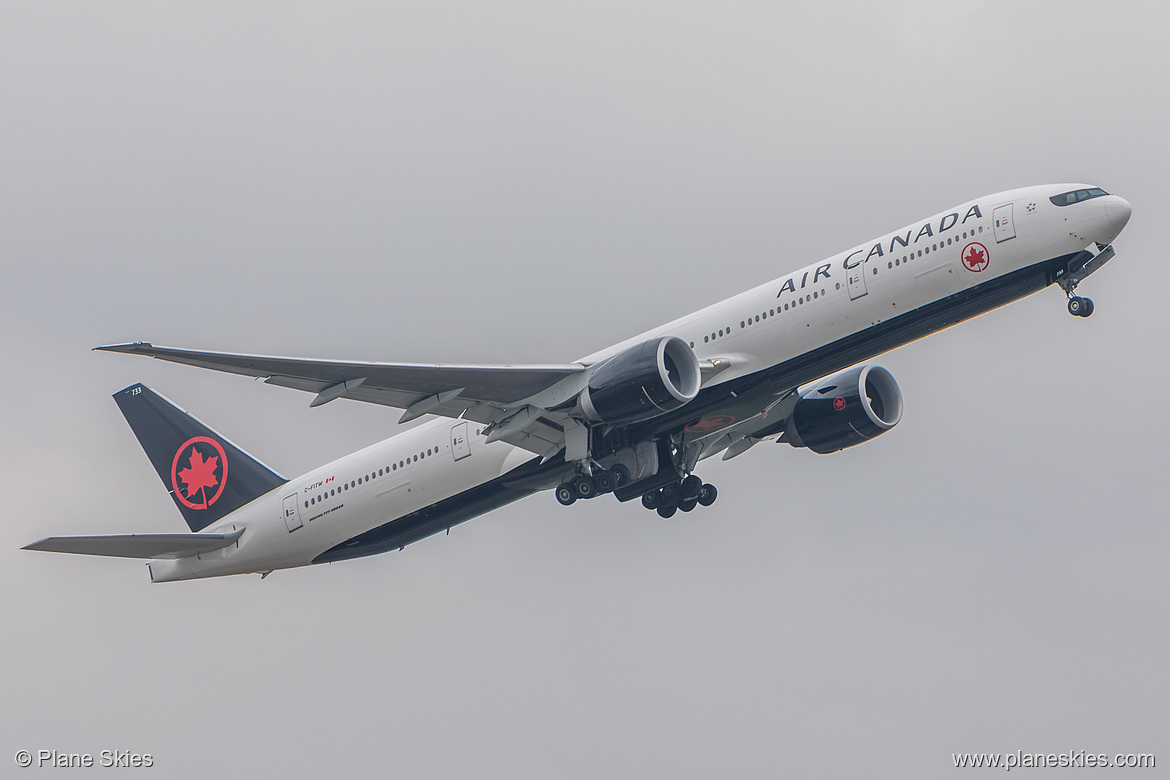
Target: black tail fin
x,y
207,475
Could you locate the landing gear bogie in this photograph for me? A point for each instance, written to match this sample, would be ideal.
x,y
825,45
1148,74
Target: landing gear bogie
x,y
681,496
585,486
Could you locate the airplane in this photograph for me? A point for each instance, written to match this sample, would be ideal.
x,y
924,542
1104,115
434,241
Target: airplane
x,y
781,362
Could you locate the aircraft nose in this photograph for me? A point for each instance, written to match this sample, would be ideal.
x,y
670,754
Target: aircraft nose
x,y
1118,211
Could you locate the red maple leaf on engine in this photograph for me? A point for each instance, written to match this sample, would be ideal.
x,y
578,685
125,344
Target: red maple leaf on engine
x,y
199,473
975,259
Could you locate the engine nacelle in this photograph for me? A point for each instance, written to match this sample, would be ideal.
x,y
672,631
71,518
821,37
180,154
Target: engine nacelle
x,y
645,381
846,409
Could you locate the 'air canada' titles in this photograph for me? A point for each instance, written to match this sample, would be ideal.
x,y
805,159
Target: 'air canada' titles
x,y
854,259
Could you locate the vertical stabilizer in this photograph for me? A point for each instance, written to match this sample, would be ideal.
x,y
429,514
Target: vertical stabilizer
x,y
207,475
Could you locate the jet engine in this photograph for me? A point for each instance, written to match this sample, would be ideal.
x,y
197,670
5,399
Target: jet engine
x,y
646,380
846,409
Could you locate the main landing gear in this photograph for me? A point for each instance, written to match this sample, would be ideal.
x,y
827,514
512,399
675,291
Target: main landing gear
x,y
683,496
599,483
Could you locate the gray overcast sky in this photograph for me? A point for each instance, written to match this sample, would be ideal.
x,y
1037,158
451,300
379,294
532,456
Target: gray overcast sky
x,y
529,182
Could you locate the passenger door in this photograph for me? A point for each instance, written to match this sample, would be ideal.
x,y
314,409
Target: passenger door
x,y
292,512
856,278
460,447
1005,226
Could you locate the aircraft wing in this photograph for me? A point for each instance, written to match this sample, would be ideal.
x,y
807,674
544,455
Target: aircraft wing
x,y
138,545
487,394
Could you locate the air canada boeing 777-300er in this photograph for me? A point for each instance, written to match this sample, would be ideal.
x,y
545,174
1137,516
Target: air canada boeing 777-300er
x,y
782,361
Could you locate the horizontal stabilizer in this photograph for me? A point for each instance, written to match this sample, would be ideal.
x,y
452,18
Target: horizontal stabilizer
x,y
138,545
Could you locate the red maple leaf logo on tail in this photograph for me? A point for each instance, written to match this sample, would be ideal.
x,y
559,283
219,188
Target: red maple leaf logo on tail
x,y
199,474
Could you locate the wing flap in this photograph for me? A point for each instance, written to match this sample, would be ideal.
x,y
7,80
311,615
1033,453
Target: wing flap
x,y
138,545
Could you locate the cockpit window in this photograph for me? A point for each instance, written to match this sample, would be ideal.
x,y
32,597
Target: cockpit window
x,y
1076,196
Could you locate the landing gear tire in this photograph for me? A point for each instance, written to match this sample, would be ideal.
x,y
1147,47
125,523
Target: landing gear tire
x,y
621,475
669,493
690,487
687,504
667,511
566,493
651,500
605,481
707,495
1088,307
586,487
1080,307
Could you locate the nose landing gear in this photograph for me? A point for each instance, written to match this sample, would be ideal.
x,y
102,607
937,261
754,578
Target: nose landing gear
x,y
1078,268
1079,307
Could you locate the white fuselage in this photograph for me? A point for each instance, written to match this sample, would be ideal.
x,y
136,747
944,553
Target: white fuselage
x,y
891,276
